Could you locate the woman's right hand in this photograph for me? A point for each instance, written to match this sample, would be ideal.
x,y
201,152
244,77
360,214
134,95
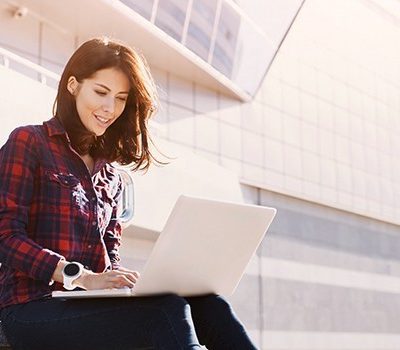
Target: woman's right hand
x,y
105,280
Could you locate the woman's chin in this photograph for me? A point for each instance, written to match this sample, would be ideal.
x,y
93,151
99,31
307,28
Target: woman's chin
x,y
100,133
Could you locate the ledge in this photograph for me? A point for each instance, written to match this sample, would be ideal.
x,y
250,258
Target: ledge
x,y
112,17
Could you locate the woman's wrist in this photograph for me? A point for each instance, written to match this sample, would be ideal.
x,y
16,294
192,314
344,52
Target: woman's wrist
x,y
84,280
57,274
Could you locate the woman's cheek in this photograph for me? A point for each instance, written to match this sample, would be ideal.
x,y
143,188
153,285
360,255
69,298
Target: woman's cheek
x,y
120,110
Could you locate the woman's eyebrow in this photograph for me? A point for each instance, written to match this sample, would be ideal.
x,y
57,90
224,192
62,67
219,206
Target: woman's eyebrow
x,y
108,89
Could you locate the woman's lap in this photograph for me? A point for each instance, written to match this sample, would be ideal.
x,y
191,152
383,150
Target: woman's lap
x,y
162,322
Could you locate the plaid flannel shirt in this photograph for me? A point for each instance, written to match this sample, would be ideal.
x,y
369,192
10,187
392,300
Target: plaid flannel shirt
x,y
52,208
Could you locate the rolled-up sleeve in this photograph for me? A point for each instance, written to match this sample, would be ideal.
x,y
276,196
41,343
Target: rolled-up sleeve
x,y
18,165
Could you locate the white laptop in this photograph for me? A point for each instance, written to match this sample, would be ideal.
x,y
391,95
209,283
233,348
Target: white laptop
x,y
204,248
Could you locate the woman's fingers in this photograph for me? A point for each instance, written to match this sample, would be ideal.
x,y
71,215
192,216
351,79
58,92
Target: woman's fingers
x,y
130,274
123,279
110,279
135,273
133,276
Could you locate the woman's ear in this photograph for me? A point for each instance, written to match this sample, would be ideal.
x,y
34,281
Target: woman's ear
x,y
72,85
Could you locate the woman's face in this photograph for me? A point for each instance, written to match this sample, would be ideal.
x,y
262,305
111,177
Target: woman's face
x,y
100,99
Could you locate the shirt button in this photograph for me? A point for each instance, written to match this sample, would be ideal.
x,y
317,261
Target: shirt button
x,y
89,246
94,223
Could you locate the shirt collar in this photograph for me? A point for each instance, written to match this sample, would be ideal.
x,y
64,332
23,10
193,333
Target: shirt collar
x,y
55,127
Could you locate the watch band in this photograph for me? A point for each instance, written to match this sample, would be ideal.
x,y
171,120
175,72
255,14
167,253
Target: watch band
x,y
71,272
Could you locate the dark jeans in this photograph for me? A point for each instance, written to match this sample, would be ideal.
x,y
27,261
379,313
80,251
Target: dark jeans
x,y
163,322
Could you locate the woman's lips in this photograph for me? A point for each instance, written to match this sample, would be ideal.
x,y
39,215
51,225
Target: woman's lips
x,y
102,120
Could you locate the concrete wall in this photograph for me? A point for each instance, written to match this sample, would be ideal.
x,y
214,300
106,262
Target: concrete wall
x,y
327,279
319,142
23,100
324,125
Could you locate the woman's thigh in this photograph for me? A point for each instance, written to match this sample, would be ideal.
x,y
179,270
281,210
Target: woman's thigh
x,y
162,322
217,325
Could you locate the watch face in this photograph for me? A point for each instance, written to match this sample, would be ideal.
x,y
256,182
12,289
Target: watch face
x,y
71,269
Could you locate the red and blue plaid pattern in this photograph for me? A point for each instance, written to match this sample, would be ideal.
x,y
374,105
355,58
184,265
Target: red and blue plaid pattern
x,y
52,208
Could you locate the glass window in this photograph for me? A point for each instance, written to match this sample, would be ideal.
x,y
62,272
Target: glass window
x,y
201,26
225,44
254,53
171,16
232,43
142,7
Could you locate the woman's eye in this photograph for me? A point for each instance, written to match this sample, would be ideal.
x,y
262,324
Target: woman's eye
x,y
101,93
123,99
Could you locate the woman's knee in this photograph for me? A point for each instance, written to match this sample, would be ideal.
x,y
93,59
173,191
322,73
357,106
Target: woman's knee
x,y
210,303
173,300
219,303
172,304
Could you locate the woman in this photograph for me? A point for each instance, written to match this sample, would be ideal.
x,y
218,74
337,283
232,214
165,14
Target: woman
x,y
59,227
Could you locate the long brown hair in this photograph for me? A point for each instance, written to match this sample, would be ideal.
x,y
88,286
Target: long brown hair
x,y
127,140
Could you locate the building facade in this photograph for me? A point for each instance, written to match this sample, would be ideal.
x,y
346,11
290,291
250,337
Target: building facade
x,y
302,119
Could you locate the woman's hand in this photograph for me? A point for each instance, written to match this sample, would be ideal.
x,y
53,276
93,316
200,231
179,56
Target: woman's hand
x,y
120,278
110,279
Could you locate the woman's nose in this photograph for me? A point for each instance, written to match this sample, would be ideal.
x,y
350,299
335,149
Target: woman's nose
x,y
109,105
